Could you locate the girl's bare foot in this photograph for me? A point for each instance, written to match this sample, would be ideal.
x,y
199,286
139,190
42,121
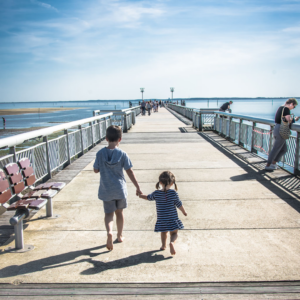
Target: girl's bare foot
x,y
163,247
172,249
121,239
109,243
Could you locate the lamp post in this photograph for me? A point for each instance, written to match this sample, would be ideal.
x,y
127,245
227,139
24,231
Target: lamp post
x,y
172,90
142,91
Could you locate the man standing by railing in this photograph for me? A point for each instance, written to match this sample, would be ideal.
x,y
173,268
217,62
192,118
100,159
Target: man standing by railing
x,y
226,106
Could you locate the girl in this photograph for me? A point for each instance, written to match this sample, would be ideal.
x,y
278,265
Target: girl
x,y
166,201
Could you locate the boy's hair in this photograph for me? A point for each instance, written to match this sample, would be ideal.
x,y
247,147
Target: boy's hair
x,y
292,100
113,133
166,178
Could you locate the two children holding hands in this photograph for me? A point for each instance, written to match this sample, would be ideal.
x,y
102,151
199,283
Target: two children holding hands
x,y
110,162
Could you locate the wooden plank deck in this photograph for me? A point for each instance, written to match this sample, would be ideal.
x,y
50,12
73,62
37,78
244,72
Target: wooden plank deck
x,y
242,228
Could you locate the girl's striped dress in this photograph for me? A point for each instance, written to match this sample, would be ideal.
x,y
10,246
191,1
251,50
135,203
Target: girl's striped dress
x,y
167,217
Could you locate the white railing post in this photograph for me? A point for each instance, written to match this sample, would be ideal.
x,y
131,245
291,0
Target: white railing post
x,y
240,131
98,129
81,136
296,163
252,137
12,150
125,128
133,117
57,149
45,140
229,130
92,129
220,124
200,122
68,146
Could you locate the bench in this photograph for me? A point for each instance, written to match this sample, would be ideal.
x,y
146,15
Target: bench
x,y
17,178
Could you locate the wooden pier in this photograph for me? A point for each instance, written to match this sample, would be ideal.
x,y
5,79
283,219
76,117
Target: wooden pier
x,y
241,238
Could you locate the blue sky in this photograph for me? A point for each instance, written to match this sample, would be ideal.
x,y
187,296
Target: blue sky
x,y
81,50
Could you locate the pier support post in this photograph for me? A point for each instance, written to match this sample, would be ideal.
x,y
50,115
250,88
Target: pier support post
x,y
19,239
17,222
49,208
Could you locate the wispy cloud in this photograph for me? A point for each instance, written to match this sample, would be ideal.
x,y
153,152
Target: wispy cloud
x,y
45,5
132,14
294,29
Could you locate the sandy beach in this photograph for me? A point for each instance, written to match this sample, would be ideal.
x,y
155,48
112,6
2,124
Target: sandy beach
x,y
21,111
14,131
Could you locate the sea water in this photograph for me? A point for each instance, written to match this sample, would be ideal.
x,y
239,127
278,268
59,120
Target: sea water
x,y
84,109
264,108
261,108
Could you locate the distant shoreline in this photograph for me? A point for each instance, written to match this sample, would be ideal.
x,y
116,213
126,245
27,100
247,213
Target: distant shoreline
x,y
42,110
163,99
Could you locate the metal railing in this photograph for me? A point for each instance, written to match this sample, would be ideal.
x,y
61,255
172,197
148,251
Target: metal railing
x,y
203,118
127,117
76,138
124,117
254,134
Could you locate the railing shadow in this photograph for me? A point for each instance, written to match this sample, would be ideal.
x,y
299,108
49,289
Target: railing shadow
x,y
284,185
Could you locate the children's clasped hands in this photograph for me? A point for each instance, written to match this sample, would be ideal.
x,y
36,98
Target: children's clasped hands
x,y
138,192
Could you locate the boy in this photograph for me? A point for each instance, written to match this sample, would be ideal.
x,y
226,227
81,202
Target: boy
x,y
111,161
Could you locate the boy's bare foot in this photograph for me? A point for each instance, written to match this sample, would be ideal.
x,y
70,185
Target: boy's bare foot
x,y
121,239
163,248
172,249
109,243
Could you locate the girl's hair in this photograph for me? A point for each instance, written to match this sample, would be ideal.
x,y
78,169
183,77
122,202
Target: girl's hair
x,y
166,178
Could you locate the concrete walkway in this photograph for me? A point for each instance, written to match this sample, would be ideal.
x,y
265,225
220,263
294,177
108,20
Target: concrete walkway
x,y
242,224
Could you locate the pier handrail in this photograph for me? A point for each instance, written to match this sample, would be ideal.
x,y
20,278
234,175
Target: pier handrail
x,y
294,126
21,138
130,109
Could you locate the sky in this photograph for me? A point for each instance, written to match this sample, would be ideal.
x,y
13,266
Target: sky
x,y
108,49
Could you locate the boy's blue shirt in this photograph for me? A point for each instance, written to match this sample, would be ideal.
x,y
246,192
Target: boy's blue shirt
x,y
110,163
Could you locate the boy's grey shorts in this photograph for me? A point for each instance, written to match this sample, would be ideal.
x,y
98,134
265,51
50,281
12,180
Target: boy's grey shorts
x,y
113,205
